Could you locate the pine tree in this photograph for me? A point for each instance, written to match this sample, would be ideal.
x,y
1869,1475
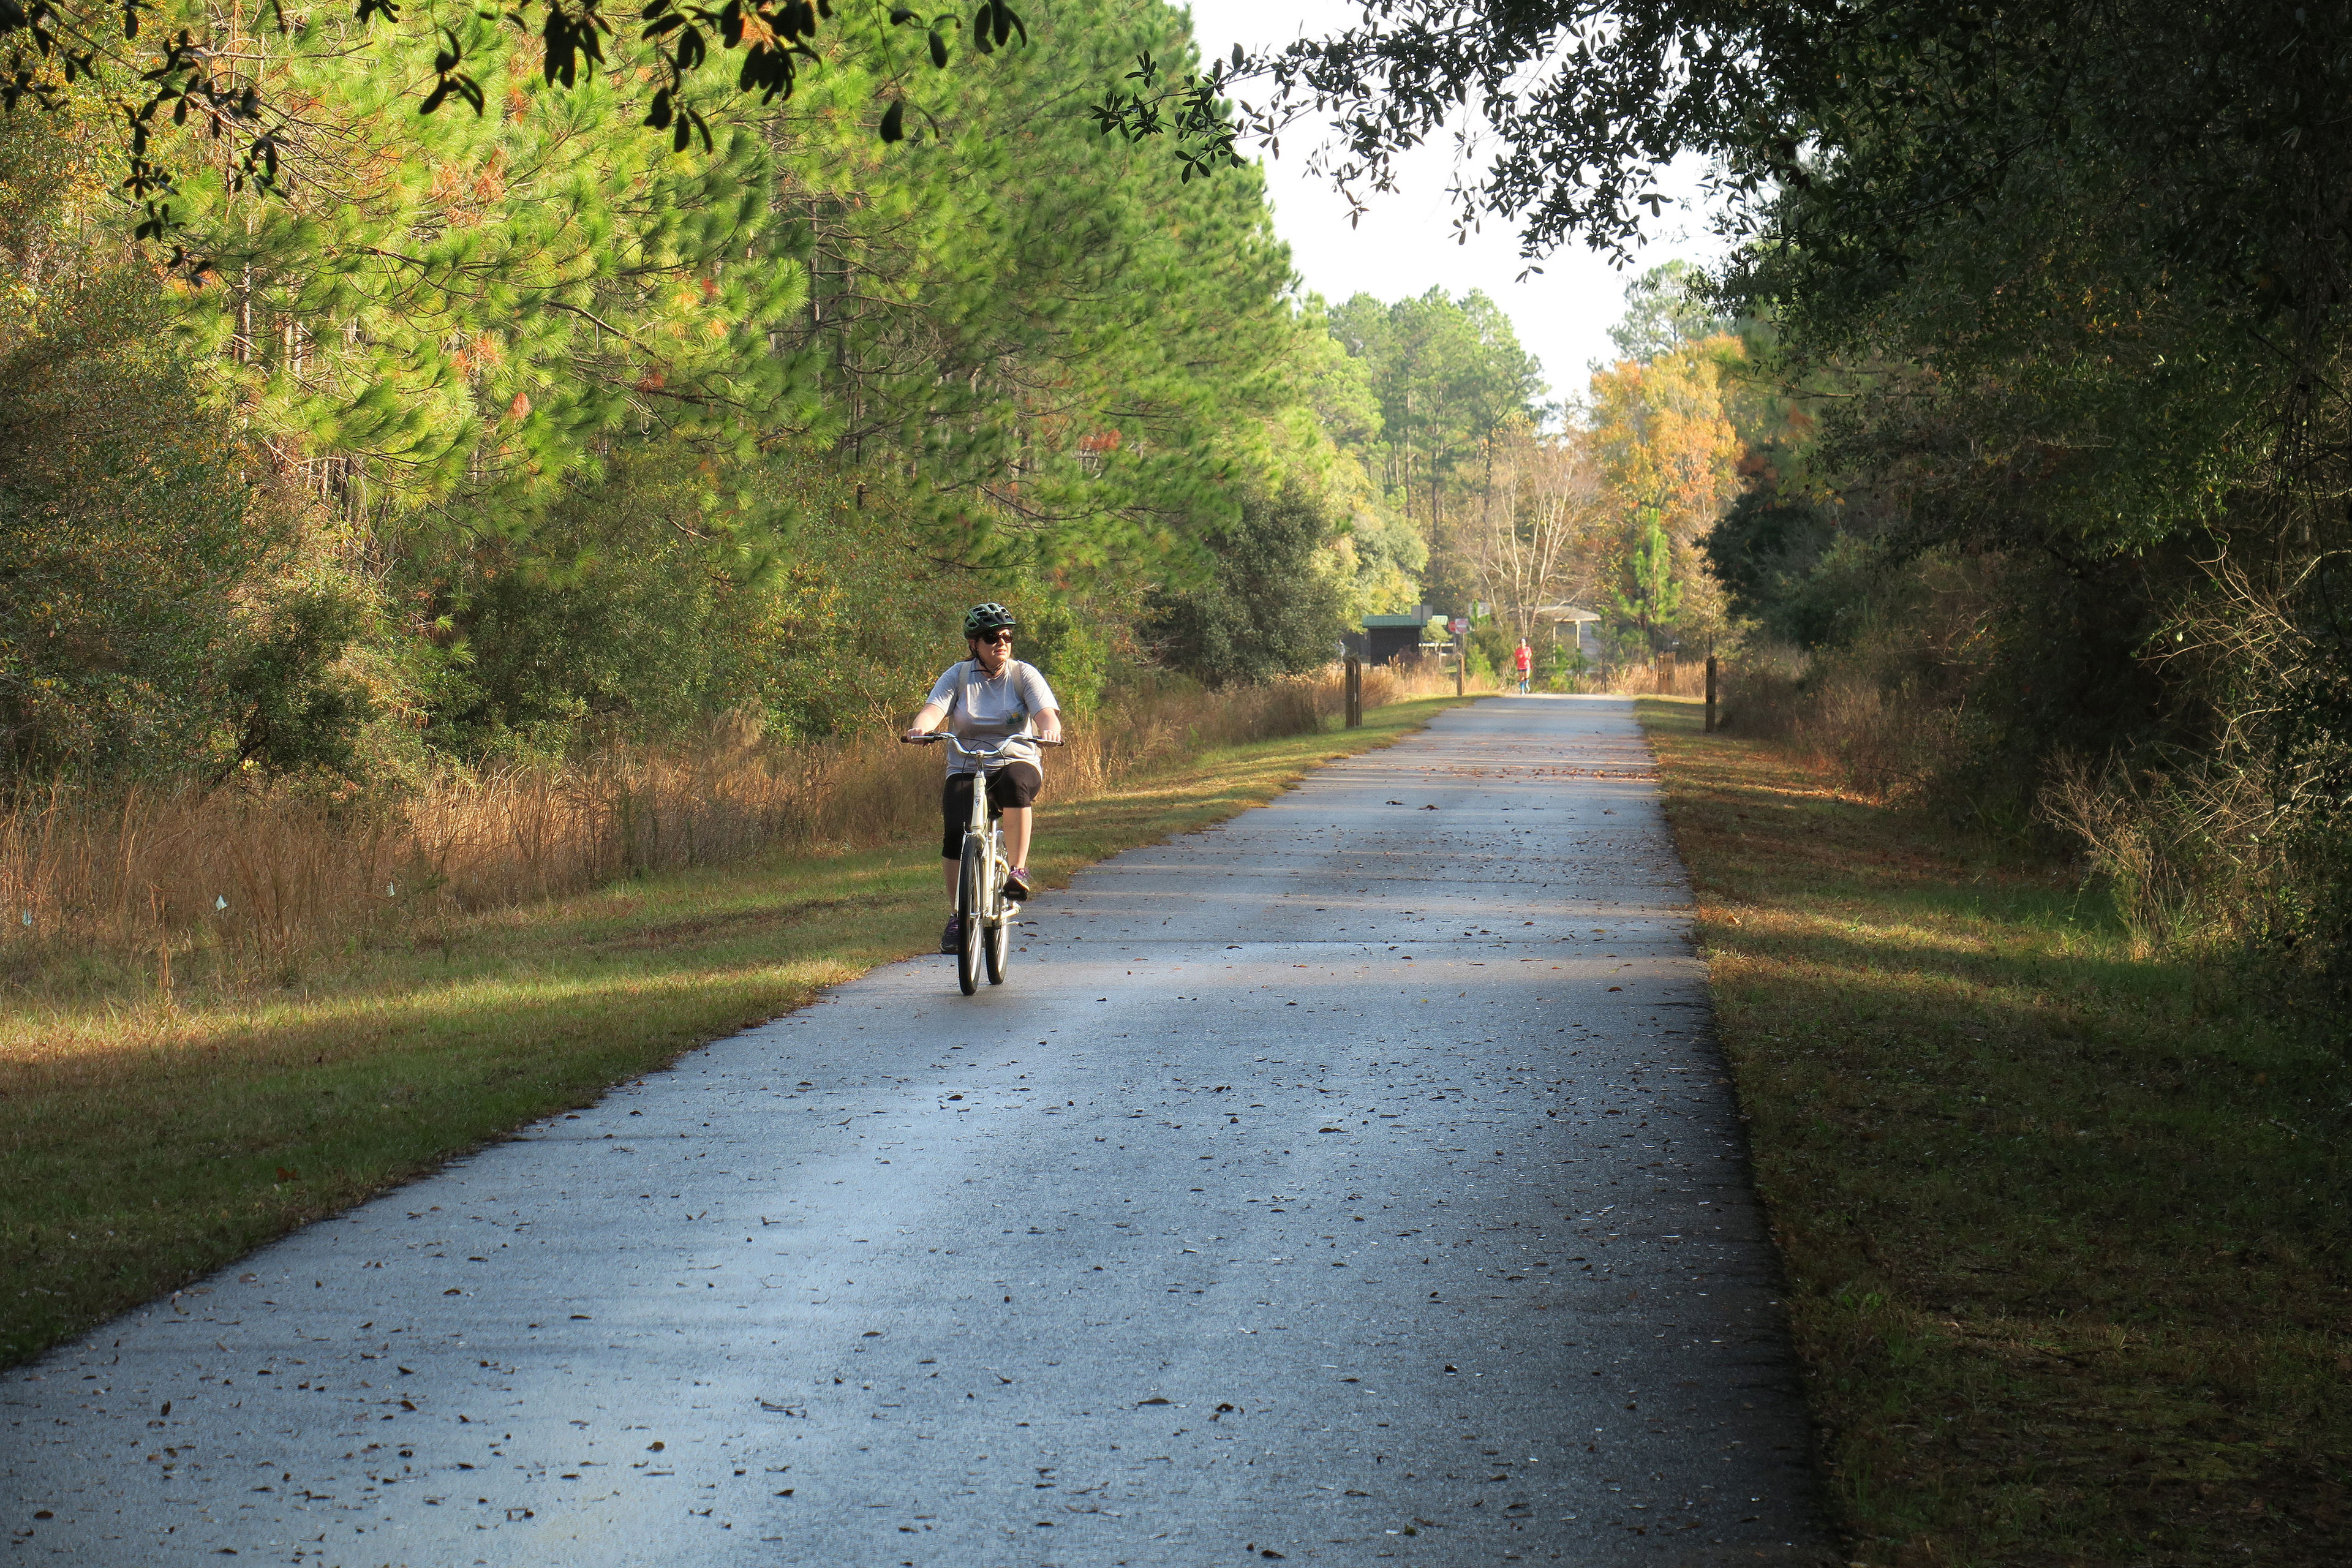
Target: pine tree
x,y
1651,597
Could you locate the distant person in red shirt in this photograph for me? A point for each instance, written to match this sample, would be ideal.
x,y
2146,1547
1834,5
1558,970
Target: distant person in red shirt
x,y
1523,661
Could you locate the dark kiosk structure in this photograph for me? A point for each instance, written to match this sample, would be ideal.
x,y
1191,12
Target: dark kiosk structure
x,y
1387,638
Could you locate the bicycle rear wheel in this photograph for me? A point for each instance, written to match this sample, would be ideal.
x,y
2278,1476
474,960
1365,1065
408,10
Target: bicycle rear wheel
x,y
971,884
998,947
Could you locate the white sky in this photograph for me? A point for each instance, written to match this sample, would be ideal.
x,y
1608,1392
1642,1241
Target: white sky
x,y
1404,244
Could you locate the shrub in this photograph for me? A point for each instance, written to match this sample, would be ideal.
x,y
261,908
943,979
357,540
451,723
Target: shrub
x,y
1267,608
129,534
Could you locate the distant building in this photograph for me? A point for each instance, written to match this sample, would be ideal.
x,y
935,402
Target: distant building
x,y
1386,638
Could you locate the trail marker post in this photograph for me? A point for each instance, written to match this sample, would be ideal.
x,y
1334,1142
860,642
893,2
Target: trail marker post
x,y
1354,701
1710,694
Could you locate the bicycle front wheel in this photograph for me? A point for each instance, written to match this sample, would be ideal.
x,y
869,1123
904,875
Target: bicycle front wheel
x,y
971,887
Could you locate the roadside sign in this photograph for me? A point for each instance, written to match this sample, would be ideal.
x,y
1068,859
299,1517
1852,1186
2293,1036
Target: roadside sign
x,y
1458,626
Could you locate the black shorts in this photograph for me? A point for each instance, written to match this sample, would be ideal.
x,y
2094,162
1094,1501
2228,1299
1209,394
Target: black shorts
x,y
1015,783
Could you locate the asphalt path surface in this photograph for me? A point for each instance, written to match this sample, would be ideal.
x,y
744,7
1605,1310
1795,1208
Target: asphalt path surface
x,y
1356,1180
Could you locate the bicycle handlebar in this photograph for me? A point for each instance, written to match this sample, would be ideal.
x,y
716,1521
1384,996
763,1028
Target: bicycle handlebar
x,y
978,756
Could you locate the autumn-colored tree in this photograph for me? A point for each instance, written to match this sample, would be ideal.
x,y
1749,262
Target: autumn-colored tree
x,y
1665,434
1670,451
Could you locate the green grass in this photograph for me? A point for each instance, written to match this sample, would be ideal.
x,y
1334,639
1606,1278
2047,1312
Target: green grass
x,y
2065,1228
145,1140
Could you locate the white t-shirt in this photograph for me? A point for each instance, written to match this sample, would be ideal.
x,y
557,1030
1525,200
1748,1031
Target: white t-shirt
x,y
983,709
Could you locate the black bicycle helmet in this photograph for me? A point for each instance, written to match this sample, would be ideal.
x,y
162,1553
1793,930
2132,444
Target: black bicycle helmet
x,y
982,620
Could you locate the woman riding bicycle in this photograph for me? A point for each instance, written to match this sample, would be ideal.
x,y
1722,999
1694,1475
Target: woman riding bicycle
x,y
989,697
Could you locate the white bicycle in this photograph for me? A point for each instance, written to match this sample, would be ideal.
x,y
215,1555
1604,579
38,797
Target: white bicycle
x,y
984,916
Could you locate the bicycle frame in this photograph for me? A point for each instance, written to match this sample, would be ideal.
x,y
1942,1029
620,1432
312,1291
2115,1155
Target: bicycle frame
x,y
982,828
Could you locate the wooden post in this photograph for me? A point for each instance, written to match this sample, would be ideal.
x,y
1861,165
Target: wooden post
x,y
1710,694
1355,689
1460,664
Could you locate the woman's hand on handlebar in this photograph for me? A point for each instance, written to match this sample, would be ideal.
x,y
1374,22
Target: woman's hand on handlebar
x,y
918,737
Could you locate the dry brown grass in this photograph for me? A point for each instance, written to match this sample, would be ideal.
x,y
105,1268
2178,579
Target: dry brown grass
x,y
1684,679
117,888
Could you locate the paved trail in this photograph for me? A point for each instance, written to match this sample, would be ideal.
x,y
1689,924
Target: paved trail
x,y
1356,1180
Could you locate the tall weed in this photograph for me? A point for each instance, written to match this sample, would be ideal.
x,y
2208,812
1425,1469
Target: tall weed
x,y
2189,855
1846,709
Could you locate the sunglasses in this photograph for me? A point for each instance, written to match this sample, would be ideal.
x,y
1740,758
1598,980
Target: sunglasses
x,y
1006,637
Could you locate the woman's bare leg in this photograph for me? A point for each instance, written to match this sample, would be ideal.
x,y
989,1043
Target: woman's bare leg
x,y
1016,836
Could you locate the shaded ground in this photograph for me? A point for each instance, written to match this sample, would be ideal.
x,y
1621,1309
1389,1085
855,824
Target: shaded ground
x,y
2065,1226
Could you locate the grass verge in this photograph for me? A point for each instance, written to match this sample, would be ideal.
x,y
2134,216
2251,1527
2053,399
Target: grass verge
x,y
2066,1232
147,1139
